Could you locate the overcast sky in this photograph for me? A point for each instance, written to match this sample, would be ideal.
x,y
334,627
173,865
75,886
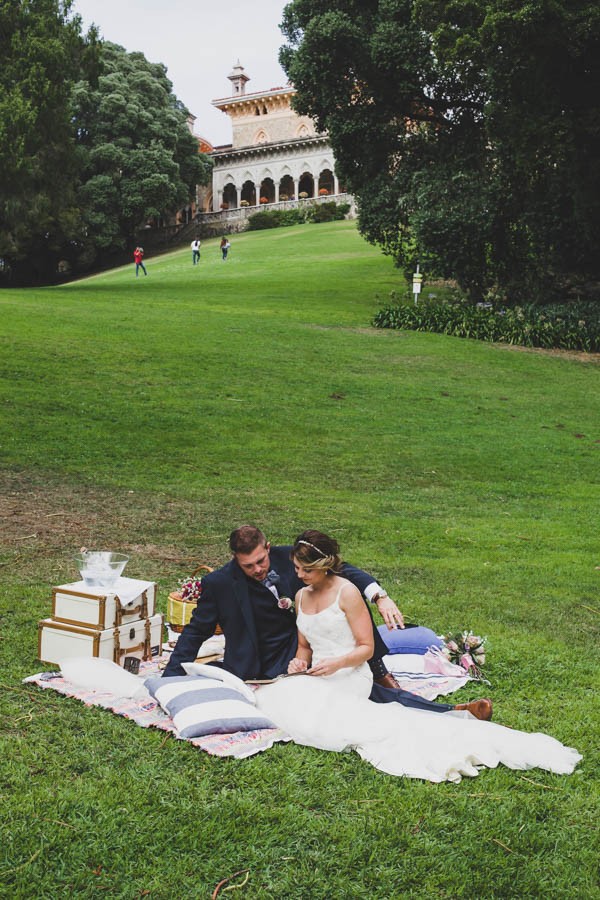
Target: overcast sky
x,y
199,43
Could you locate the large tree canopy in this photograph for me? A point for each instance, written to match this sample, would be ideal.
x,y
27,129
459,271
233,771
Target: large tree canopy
x,y
93,142
138,156
41,54
469,131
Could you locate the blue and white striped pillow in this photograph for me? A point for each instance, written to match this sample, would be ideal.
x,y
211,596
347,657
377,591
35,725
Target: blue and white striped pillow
x,y
200,706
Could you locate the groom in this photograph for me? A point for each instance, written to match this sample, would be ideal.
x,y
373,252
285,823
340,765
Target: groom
x,y
260,634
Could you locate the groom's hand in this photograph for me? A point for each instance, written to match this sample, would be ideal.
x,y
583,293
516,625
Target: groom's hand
x,y
390,613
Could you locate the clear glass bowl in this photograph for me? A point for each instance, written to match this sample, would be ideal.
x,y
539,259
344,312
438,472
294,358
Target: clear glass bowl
x,y
101,568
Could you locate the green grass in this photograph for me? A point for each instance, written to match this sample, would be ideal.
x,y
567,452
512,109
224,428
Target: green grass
x,y
153,416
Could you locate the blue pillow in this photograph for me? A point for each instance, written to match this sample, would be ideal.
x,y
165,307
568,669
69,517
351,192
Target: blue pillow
x,y
417,639
199,705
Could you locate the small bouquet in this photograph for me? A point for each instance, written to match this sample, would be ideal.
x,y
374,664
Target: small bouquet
x,y
465,649
286,603
183,601
190,589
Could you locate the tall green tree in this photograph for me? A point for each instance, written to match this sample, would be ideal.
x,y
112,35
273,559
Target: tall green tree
x,y
93,142
42,53
138,157
469,131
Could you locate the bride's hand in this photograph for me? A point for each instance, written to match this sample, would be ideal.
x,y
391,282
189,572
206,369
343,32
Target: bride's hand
x,y
297,665
326,666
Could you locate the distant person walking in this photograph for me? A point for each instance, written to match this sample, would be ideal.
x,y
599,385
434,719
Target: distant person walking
x,y
138,258
224,245
195,252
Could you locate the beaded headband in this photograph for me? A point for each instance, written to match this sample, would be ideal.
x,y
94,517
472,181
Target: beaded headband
x,y
320,552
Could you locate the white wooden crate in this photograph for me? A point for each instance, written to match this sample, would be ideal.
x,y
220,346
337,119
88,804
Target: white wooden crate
x,y
79,604
141,638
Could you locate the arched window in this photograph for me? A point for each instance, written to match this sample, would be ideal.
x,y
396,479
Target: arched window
x,y
286,188
306,185
326,183
267,191
230,196
249,193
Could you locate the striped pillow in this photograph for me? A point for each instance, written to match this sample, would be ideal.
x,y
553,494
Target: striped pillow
x,y
200,706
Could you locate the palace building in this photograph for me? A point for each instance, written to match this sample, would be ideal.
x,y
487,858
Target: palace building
x,y
275,155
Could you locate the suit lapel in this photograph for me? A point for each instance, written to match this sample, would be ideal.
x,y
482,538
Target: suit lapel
x,y
280,561
240,590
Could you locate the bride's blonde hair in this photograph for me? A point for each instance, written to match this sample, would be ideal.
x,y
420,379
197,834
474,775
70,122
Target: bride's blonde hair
x,y
316,550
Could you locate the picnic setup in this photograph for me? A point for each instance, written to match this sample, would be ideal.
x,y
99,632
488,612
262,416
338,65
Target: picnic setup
x,y
113,621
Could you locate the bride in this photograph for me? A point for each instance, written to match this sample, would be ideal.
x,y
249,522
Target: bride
x,y
327,705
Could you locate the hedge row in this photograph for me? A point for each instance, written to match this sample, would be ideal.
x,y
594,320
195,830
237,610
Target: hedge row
x,y
575,326
320,212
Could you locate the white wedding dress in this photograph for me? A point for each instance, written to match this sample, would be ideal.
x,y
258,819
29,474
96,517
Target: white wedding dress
x,y
334,713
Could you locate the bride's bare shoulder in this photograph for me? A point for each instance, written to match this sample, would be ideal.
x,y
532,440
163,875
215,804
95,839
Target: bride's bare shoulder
x,y
349,594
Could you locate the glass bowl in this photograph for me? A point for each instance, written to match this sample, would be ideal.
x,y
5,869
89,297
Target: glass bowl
x,y
100,568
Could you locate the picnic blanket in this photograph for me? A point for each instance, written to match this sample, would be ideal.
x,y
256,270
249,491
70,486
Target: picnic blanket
x,y
426,675
408,669
148,714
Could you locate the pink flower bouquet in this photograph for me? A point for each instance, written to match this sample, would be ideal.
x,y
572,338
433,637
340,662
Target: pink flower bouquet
x,y
466,649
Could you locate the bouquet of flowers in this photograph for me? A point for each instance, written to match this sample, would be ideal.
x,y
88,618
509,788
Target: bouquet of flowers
x,y
465,649
190,589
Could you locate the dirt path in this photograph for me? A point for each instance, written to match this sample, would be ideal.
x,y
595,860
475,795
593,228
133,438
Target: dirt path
x,y
43,522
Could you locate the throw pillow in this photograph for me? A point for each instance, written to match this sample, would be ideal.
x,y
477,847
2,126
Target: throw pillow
x,y
222,675
201,706
96,674
417,639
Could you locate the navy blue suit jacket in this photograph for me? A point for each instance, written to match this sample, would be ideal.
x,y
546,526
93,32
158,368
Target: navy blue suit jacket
x,y
225,600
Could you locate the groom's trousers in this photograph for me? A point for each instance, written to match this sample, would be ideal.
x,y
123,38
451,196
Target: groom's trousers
x,y
381,694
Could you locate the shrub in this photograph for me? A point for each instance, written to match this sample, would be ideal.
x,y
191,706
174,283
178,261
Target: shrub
x,y
275,218
303,195
244,203
322,212
575,326
327,212
323,192
264,200
292,216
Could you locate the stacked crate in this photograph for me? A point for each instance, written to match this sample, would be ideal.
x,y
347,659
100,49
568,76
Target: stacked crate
x,y
115,624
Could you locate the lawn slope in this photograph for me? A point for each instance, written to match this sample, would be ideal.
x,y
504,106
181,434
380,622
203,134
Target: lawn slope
x,y
153,415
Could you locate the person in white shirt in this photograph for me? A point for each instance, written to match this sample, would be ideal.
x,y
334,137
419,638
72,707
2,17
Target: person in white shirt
x,y
195,251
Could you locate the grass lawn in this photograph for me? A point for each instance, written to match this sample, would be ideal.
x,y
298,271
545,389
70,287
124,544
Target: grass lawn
x,y
152,416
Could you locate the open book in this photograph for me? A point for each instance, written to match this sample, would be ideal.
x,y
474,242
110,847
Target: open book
x,y
277,678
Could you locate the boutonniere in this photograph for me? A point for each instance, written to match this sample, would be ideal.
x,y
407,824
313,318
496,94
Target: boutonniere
x,y
285,603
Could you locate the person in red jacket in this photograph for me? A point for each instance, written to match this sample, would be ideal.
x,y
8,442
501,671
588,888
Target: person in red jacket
x,y
138,258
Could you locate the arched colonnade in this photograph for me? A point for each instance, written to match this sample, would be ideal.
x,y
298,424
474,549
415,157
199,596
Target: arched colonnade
x,y
273,184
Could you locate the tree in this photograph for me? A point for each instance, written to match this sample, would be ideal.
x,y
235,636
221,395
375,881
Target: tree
x,y
42,52
93,142
469,131
139,159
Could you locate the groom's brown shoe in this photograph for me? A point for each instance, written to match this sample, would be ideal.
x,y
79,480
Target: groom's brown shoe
x,y
388,681
481,709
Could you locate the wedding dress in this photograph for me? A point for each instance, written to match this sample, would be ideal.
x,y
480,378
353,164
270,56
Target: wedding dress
x,y
334,713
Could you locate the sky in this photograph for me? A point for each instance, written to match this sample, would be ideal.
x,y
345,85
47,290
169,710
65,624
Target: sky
x,y
199,43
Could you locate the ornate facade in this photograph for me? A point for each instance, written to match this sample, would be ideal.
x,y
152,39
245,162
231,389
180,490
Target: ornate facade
x,y
275,155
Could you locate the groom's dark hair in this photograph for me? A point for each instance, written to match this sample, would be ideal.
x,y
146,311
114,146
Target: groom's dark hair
x,y
246,539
